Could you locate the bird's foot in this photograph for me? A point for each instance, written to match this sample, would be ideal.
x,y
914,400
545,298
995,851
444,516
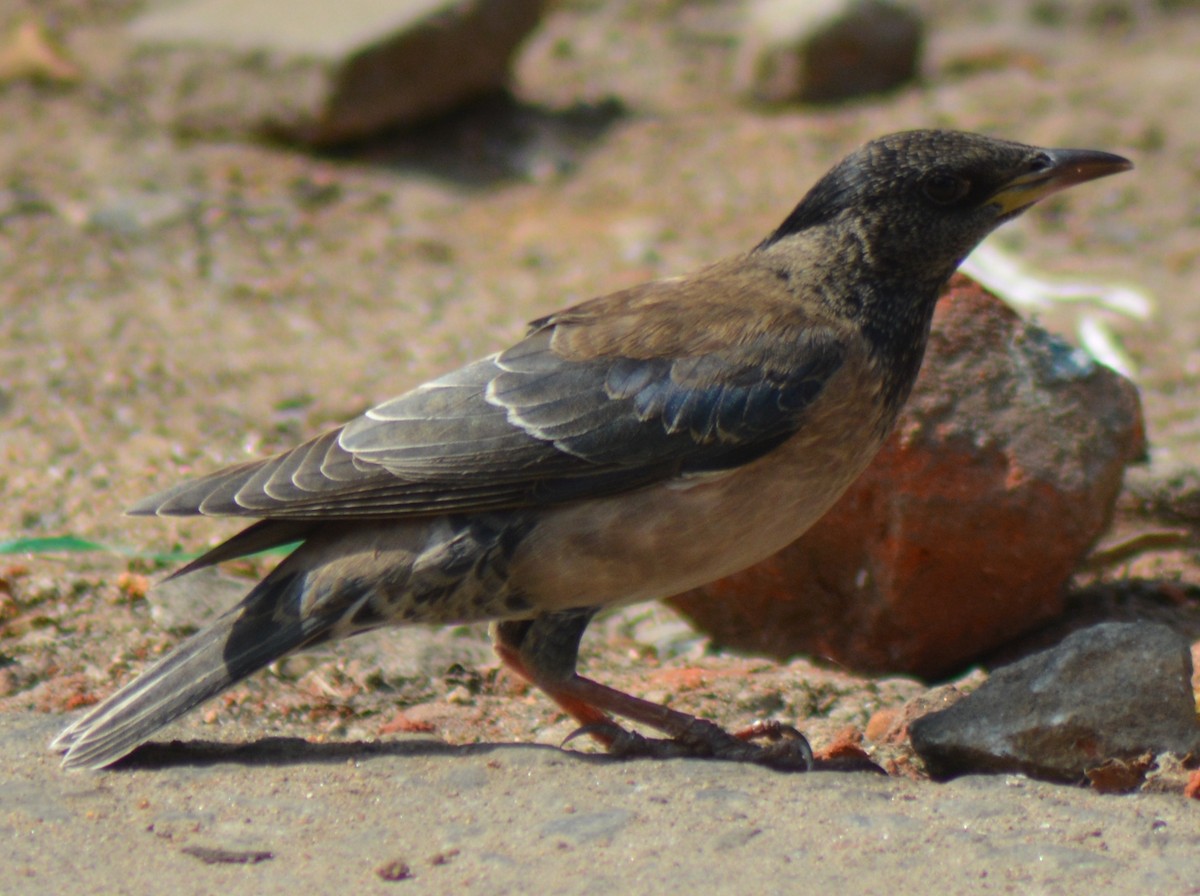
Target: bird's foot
x,y
771,730
785,748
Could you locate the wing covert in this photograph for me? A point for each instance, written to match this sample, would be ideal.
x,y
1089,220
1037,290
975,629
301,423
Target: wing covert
x,y
529,426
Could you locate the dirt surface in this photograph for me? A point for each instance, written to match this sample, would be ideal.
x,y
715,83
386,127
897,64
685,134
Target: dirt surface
x,y
286,816
173,305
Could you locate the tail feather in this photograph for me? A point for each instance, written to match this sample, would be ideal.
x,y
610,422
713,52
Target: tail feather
x,y
265,626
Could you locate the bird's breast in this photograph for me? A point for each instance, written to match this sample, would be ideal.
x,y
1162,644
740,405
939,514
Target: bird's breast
x,y
672,536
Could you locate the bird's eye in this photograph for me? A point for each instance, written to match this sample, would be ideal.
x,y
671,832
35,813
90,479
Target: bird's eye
x,y
1040,162
945,188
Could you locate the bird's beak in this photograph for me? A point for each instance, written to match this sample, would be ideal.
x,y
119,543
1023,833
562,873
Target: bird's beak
x,y
1065,168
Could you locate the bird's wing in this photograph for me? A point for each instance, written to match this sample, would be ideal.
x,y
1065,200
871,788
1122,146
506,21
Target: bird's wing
x,y
542,422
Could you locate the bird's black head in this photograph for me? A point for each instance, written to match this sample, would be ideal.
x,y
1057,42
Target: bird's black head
x,y
880,234
918,202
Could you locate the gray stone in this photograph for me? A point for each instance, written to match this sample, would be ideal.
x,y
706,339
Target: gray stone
x,y
823,51
323,71
1113,691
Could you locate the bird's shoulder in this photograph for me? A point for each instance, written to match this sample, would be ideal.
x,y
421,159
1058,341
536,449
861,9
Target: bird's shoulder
x,y
746,300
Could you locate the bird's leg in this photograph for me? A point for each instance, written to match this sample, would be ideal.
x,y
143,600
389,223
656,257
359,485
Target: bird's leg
x,y
544,651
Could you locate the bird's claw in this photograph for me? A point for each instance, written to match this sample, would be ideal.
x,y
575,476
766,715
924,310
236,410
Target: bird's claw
x,y
766,729
786,748
605,732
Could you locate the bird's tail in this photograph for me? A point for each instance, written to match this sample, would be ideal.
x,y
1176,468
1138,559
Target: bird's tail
x,y
266,625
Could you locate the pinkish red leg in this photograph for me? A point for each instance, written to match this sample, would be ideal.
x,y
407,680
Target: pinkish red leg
x,y
544,651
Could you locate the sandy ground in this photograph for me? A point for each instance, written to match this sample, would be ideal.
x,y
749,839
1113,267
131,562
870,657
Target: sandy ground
x,y
173,305
287,817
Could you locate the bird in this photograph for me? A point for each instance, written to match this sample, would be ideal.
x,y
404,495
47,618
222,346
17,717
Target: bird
x,y
627,448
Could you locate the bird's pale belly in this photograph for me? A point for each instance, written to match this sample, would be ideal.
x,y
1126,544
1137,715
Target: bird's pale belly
x,y
668,538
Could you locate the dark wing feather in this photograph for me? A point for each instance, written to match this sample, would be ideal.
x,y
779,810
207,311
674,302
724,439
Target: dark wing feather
x,y
531,426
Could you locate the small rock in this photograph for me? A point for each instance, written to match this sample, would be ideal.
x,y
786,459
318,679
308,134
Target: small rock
x,y
823,51
394,870
1119,775
1115,691
28,53
325,71
1192,789
890,725
963,533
